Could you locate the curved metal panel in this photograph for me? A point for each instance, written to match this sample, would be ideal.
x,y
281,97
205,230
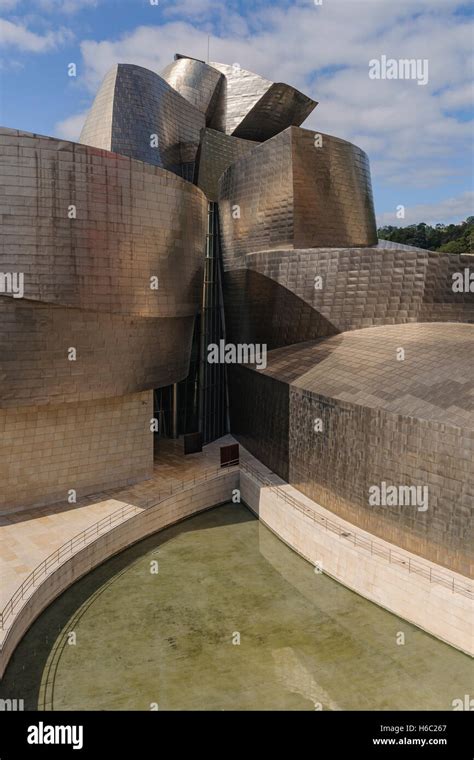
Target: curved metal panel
x,y
254,108
271,296
120,277
243,89
199,83
289,193
398,426
216,152
115,354
280,107
133,222
149,120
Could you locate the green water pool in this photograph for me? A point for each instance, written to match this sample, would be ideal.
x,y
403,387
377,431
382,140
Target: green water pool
x,y
125,637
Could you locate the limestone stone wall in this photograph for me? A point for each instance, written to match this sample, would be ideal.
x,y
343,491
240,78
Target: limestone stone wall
x,y
87,446
190,501
431,606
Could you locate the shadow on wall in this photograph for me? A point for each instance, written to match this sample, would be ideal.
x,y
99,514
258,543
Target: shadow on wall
x,y
259,310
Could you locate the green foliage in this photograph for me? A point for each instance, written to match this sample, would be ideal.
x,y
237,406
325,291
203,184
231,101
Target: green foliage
x,y
453,238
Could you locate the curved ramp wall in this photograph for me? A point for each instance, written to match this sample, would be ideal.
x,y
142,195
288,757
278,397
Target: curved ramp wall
x,y
88,555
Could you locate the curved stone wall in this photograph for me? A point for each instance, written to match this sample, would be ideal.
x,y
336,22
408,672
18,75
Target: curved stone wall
x,y
414,589
84,557
89,446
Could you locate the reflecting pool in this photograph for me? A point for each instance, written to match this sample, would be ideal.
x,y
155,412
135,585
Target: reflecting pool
x,y
216,613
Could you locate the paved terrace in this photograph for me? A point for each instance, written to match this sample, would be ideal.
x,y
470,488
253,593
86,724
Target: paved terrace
x,y
27,537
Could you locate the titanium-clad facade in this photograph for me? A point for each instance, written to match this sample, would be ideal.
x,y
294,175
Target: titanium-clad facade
x,y
254,108
197,82
138,114
291,192
339,416
280,297
242,90
110,250
369,340
217,151
90,229
280,107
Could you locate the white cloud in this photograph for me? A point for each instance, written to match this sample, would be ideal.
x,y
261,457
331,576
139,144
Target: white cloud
x,y
66,6
458,97
150,46
411,132
70,128
18,36
448,211
51,6
11,64
8,5
191,8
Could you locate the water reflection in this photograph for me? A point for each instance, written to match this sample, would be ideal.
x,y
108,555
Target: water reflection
x,y
172,639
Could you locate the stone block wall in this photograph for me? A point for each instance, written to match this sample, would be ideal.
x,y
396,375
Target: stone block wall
x,y
87,446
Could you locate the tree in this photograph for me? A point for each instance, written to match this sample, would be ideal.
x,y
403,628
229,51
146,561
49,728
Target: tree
x,y
451,238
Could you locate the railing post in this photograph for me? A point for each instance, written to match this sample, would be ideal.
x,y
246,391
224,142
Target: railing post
x,y
56,556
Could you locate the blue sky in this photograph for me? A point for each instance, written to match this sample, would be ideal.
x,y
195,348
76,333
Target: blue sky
x,y
419,138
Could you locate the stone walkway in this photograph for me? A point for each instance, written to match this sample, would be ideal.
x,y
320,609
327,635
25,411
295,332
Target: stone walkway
x,y
27,537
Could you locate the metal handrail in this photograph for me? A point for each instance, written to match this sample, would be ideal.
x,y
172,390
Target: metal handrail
x,y
358,539
126,511
65,551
